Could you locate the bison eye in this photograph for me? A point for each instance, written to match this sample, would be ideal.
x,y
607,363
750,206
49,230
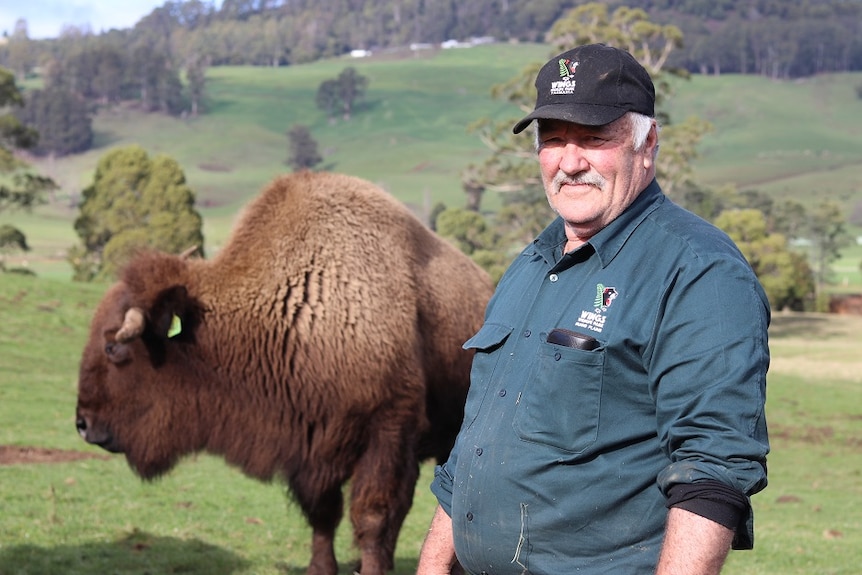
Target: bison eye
x,y
117,352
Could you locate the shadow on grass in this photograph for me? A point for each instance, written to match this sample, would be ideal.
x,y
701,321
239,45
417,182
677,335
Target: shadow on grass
x,y
796,325
403,566
138,553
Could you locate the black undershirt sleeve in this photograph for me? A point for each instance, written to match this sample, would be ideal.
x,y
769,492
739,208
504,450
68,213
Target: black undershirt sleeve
x,y
713,500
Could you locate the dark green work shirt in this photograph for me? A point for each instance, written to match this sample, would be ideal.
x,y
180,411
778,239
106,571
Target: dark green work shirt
x,y
565,455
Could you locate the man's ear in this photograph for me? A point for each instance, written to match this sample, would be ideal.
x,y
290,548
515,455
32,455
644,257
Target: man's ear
x,y
651,146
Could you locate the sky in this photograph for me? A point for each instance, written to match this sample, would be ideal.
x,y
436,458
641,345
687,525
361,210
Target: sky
x,y
46,18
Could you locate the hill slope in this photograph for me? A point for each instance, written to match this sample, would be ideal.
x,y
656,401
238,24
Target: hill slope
x,y
410,135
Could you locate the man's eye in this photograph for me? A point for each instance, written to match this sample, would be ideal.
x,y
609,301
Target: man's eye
x,y
594,140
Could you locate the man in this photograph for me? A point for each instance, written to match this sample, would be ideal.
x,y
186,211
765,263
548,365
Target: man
x,y
615,420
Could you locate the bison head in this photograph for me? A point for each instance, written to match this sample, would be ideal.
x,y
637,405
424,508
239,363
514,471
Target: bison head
x,y
135,391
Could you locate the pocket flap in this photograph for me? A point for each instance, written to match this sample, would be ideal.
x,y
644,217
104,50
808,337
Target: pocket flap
x,y
488,337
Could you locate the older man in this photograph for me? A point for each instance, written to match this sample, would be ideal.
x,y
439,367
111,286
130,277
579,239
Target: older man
x,y
615,420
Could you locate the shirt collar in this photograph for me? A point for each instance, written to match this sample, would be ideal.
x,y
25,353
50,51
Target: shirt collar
x,y
609,241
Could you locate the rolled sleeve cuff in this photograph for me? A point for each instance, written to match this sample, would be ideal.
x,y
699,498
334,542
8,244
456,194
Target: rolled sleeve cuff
x,y
441,487
692,474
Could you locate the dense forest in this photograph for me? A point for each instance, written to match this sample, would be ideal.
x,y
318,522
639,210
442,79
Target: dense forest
x,y
770,37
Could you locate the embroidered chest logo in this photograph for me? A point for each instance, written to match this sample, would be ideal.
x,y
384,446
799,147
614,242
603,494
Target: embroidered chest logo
x,y
566,84
594,319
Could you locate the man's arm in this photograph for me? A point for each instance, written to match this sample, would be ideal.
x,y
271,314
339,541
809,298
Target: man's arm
x,y
693,545
438,550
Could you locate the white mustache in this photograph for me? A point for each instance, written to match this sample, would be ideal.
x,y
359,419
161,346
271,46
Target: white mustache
x,y
590,179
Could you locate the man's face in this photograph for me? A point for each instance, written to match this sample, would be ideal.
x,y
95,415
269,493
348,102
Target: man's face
x,y
592,174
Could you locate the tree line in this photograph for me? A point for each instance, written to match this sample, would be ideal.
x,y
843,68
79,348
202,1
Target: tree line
x,y
770,37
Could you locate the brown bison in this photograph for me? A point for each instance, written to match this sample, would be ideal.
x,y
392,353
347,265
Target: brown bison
x,y
321,344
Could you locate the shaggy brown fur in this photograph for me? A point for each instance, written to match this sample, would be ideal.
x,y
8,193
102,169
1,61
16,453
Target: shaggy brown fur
x,y
321,344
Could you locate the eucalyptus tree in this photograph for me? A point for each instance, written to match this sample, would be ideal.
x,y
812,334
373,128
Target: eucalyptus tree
x,y
20,187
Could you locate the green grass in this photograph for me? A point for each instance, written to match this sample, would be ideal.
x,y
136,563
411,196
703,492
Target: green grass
x,y
809,519
798,139
94,516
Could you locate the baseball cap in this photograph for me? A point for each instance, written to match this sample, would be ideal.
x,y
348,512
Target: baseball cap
x,y
591,85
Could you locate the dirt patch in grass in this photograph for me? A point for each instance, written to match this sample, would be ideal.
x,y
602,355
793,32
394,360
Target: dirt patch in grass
x,y
16,454
214,167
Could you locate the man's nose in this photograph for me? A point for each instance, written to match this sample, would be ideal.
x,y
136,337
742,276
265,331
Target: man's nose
x,y
572,159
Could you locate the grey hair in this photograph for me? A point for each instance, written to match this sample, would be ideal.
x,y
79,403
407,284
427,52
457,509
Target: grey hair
x,y
641,125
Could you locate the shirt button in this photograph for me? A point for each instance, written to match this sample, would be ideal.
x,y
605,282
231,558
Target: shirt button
x,y
553,277
502,393
527,333
469,516
557,356
479,451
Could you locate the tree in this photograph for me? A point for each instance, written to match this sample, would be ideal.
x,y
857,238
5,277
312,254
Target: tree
x,y
510,167
63,120
473,234
343,91
784,274
303,153
22,54
351,87
19,187
196,75
11,239
327,98
827,228
134,202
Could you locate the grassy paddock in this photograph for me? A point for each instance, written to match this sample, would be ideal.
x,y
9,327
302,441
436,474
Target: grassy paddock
x,y
94,516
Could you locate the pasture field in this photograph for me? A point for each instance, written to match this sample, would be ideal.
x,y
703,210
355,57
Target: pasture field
x,y
796,139
66,507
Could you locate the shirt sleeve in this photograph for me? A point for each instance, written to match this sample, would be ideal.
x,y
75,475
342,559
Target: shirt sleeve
x,y
441,487
708,368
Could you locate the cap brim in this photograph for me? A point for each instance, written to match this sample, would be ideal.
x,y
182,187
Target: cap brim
x,y
584,114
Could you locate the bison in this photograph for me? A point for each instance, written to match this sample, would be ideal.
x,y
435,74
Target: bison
x,y
322,343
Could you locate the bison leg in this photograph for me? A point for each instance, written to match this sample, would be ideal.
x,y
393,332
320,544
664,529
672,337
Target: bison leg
x,y
323,516
381,495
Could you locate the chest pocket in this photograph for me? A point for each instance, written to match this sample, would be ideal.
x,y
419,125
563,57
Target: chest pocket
x,y
486,341
560,403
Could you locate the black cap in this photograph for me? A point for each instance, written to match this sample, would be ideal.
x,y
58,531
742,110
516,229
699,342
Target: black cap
x,y
591,85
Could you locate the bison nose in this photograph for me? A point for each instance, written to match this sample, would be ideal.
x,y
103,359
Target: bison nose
x,y
81,425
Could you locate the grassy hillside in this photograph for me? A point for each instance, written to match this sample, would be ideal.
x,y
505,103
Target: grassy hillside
x,y
797,139
800,139
70,508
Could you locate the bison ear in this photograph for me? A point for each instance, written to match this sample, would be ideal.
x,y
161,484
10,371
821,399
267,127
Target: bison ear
x,y
174,313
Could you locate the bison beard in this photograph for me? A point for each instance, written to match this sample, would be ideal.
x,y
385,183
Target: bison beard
x,y
321,344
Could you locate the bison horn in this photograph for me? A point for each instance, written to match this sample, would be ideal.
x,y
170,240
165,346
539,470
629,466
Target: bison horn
x,y
188,252
133,325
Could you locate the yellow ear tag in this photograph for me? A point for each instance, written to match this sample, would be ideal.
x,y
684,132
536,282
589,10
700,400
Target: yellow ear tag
x,y
176,326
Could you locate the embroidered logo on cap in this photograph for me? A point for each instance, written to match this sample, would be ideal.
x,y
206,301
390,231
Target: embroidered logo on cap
x,y
566,85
